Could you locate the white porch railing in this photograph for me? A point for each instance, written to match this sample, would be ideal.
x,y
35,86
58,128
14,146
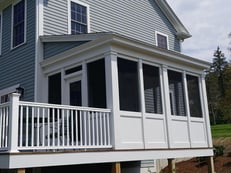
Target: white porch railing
x,y
38,126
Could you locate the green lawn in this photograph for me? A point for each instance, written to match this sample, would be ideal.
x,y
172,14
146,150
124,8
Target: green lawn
x,y
221,130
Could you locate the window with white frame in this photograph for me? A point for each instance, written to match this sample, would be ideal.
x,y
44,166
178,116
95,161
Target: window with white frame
x,y
18,23
162,40
79,17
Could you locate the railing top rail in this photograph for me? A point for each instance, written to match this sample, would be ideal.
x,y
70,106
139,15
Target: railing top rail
x,y
4,104
66,107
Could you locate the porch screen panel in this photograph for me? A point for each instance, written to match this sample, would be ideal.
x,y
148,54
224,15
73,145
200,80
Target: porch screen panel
x,y
152,89
194,96
54,89
128,85
176,93
96,84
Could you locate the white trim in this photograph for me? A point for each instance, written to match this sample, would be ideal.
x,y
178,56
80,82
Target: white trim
x,y
1,23
165,35
12,24
69,14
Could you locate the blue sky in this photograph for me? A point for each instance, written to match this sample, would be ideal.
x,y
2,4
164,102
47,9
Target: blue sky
x,y
209,22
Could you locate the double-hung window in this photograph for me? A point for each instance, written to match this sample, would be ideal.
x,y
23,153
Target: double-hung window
x,y
79,18
18,23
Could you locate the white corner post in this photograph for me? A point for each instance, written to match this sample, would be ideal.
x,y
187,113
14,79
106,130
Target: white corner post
x,y
166,102
112,90
13,122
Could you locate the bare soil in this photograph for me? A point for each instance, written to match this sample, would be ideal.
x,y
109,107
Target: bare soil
x,y
194,165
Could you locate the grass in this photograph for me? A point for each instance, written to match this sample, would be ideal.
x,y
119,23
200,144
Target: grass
x,y
221,130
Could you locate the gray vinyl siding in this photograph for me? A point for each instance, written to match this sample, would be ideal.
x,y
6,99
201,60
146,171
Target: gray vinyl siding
x,y
135,19
55,17
51,49
17,65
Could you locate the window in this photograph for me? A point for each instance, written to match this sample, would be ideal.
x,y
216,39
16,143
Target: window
x,y
79,18
0,33
176,93
161,40
19,22
128,85
152,89
194,96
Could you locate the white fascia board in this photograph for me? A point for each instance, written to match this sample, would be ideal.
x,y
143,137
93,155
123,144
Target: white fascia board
x,y
182,32
41,159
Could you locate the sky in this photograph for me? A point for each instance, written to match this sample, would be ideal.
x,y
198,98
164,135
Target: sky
x,y
209,23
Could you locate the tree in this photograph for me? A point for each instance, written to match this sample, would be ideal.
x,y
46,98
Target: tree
x,y
218,66
216,85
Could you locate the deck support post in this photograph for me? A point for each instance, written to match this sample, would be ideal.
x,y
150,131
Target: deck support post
x,y
116,168
172,165
21,170
211,168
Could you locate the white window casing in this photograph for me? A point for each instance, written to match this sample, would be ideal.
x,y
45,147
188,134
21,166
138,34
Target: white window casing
x,y
69,14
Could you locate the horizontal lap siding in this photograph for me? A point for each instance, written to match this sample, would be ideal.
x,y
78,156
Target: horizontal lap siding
x,y
17,65
51,49
55,17
135,19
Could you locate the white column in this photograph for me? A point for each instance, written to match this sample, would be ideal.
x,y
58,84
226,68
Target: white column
x,y
187,108
142,101
13,122
166,104
206,111
112,92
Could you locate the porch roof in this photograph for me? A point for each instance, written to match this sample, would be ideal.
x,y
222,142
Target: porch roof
x,y
96,40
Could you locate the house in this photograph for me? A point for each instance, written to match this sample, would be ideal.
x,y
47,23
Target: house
x,y
96,85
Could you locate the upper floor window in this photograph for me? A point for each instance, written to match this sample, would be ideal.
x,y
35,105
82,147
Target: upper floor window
x,y
19,21
79,18
162,40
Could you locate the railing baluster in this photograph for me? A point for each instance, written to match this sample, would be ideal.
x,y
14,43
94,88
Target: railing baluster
x,y
53,127
101,129
81,127
63,142
93,128
27,116
104,129
1,137
77,137
97,128
32,126
72,128
43,127
108,129
21,126
38,128
58,128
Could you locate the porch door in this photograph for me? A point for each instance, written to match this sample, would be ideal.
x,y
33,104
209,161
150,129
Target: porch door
x,y
74,99
75,93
